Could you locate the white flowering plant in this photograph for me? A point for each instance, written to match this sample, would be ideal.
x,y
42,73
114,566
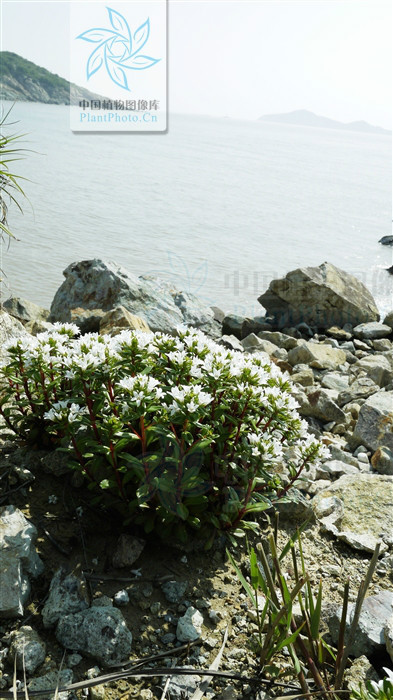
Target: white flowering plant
x,y
177,431
382,690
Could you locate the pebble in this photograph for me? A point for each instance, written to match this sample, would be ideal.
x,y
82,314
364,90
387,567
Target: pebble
x,y
121,598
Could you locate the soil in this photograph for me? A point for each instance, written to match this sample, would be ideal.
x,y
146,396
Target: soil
x,y
81,537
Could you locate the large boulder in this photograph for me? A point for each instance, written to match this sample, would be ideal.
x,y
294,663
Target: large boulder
x,y
25,310
321,296
98,286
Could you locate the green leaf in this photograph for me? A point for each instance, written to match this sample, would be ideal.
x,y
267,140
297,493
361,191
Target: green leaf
x,y
289,640
242,580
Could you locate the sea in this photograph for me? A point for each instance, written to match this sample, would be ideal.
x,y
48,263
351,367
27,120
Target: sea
x,y
217,206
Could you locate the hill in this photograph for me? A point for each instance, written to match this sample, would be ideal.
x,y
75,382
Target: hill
x,y
22,80
302,117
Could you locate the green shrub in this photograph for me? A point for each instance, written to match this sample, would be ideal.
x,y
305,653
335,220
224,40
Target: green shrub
x,y
177,432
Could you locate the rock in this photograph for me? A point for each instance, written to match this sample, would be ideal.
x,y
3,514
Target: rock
x,y
36,327
321,296
318,404
121,598
87,320
386,240
360,671
316,355
335,468
336,381
377,367
25,310
66,595
233,325
55,463
181,687
304,377
360,388
97,287
280,339
189,627
342,456
98,632
254,344
256,325
18,558
338,333
388,320
371,331
358,509
231,342
369,637
219,314
27,647
128,549
52,680
119,319
382,345
10,329
374,427
388,632
294,507
174,590
382,461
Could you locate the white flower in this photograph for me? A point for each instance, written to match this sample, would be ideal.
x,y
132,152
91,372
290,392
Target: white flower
x,y
380,684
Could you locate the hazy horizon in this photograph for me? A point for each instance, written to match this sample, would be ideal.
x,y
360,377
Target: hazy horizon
x,y
246,59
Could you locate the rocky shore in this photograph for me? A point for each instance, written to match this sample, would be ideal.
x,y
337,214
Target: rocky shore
x,y
76,582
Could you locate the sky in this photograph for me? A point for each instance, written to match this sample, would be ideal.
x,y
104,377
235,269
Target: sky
x,y
246,58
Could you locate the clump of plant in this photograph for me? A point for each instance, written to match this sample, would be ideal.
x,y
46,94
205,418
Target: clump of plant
x,y
318,666
177,432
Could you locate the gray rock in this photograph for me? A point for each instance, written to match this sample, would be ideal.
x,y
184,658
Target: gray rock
x,y
94,285
121,598
14,586
100,633
189,627
375,613
321,296
360,671
335,468
357,509
316,355
27,648
374,427
360,388
382,345
336,381
25,310
255,344
10,329
128,549
388,320
18,557
174,590
338,333
388,632
67,595
342,456
231,342
55,463
318,404
377,367
182,687
294,507
303,377
371,331
233,325
52,680
280,339
119,319
382,461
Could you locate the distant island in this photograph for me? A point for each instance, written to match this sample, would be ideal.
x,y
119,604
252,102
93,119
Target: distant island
x,y
302,117
22,80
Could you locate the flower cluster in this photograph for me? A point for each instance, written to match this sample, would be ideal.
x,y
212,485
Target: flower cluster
x,y
177,430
